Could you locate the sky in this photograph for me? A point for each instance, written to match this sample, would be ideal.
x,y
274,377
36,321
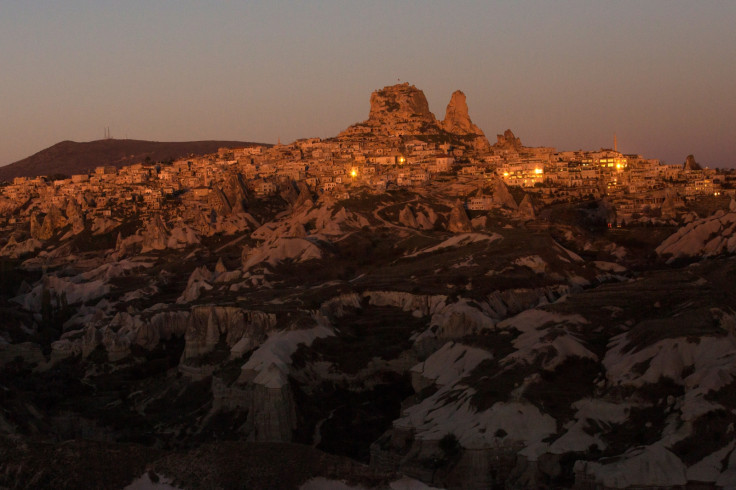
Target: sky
x,y
567,74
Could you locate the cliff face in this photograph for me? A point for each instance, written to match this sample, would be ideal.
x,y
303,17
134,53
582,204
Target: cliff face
x,y
457,121
399,103
402,110
396,110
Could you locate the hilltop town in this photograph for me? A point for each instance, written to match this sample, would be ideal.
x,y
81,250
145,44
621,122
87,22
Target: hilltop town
x,y
403,305
400,145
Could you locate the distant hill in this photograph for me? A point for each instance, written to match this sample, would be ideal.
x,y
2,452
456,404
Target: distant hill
x,y
69,157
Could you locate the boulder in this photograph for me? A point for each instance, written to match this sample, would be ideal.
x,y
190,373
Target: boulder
x,y
502,196
458,221
526,208
52,222
407,218
426,218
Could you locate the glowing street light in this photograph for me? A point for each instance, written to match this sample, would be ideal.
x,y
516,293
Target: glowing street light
x,y
353,173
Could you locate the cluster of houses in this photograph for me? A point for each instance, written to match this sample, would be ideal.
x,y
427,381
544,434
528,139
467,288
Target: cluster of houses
x,y
338,166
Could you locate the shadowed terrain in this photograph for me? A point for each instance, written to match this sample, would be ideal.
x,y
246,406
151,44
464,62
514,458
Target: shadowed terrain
x,y
70,157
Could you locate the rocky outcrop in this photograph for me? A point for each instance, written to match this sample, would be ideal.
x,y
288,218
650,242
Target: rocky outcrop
x,y
271,411
272,414
401,110
58,290
204,328
651,466
15,249
268,395
459,319
399,102
35,225
52,222
237,330
526,208
705,237
407,218
422,220
155,235
501,304
508,141
458,221
691,164
339,305
446,365
457,121
283,248
418,305
669,206
115,343
75,216
288,193
161,326
426,218
225,208
235,193
200,279
100,225
396,110
304,199
501,195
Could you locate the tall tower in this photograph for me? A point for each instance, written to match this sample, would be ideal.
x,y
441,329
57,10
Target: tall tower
x,y
615,143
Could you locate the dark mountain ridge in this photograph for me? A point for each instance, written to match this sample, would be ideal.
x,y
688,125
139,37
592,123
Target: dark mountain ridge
x,y
70,157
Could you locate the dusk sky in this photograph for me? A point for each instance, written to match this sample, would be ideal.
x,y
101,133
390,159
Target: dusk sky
x,y
661,74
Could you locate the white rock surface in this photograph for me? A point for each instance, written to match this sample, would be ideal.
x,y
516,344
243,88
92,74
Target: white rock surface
x,y
650,466
704,237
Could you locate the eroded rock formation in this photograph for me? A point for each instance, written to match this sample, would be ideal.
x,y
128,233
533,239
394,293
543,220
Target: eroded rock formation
x,y
458,221
508,141
457,121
